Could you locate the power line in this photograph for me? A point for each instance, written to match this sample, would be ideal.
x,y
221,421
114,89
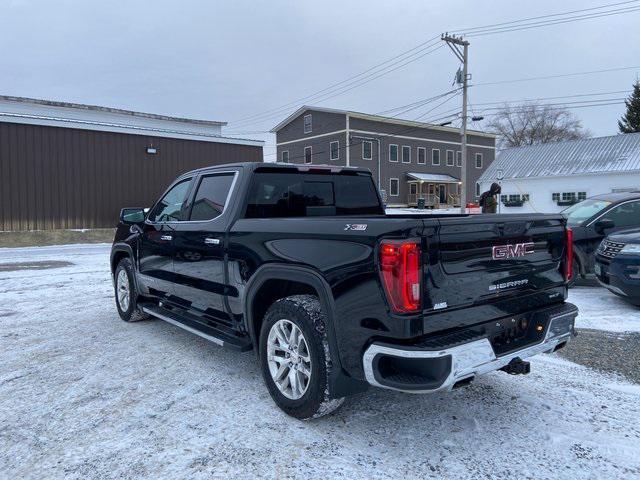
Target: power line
x,y
418,49
549,77
349,86
466,31
418,52
557,22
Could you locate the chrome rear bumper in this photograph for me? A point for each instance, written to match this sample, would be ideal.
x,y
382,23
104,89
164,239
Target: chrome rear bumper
x,y
446,367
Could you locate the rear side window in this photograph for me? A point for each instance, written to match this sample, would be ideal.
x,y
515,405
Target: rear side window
x,y
211,196
277,195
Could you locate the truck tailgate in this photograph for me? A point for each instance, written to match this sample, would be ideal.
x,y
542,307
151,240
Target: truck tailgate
x,y
481,259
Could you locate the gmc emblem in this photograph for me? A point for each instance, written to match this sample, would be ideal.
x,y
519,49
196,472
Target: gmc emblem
x,y
502,252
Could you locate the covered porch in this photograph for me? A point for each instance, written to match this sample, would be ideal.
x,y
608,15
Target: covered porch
x,y
437,190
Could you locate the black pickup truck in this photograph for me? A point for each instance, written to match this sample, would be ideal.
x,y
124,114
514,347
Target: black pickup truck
x,y
301,264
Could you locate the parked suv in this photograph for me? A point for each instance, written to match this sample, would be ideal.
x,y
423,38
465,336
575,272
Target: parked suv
x,y
618,265
301,265
594,218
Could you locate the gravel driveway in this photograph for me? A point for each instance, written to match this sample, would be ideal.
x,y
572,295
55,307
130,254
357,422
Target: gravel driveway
x,y
85,395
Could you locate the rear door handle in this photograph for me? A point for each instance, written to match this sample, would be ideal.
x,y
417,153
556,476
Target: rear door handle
x,y
212,241
166,238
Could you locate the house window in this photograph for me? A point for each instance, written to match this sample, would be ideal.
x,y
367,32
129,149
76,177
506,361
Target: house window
x,y
435,156
568,196
525,197
477,189
555,197
406,154
503,198
393,153
307,154
307,123
285,156
582,196
422,156
478,160
334,147
459,158
413,188
367,146
394,187
450,159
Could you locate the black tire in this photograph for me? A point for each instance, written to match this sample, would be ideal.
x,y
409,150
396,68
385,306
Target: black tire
x,y
306,313
132,313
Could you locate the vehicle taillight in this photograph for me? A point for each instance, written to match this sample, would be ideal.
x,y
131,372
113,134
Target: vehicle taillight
x,y
568,267
400,270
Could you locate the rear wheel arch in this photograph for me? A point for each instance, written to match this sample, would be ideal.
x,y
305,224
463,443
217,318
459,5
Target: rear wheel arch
x,y
272,282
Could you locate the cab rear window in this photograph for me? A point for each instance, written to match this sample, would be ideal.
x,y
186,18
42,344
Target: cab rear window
x,y
283,194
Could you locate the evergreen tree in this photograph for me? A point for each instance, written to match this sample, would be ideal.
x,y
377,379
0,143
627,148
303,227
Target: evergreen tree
x,y
630,122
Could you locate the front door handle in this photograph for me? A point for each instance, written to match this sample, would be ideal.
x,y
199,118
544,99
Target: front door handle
x,y
166,238
212,241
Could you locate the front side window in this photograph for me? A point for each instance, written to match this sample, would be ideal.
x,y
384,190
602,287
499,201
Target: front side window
x,y
307,124
285,156
478,160
334,147
625,215
211,197
435,156
394,187
169,209
459,158
307,155
393,153
366,150
450,158
422,155
406,154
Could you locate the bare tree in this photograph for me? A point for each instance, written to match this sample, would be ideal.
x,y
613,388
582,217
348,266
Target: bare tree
x,y
532,123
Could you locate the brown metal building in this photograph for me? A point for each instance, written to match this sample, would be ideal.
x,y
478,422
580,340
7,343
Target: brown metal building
x,y
70,166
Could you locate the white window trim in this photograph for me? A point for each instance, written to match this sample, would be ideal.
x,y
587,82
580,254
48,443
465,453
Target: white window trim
x,y
453,158
402,156
458,156
370,150
391,190
331,150
310,155
282,156
304,123
425,156
433,157
397,153
479,155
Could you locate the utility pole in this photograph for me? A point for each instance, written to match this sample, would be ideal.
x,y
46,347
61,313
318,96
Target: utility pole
x,y
454,44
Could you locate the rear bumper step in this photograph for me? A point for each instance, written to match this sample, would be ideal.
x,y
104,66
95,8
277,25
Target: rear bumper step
x,y
420,370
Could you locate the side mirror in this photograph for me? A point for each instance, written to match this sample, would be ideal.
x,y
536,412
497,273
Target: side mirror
x,y
604,224
132,216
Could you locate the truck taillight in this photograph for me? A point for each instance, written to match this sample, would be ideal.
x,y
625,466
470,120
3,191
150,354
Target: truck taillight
x,y
568,267
400,270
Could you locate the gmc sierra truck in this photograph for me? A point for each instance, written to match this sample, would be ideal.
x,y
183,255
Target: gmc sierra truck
x,y
300,264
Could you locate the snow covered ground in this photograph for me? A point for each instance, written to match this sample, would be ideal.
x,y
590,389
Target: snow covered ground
x,y
602,310
85,395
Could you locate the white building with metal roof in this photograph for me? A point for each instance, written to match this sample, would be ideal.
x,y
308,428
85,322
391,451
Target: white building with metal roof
x,y
550,177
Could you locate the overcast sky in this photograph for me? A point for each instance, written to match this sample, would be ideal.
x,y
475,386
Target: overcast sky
x,y
228,60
